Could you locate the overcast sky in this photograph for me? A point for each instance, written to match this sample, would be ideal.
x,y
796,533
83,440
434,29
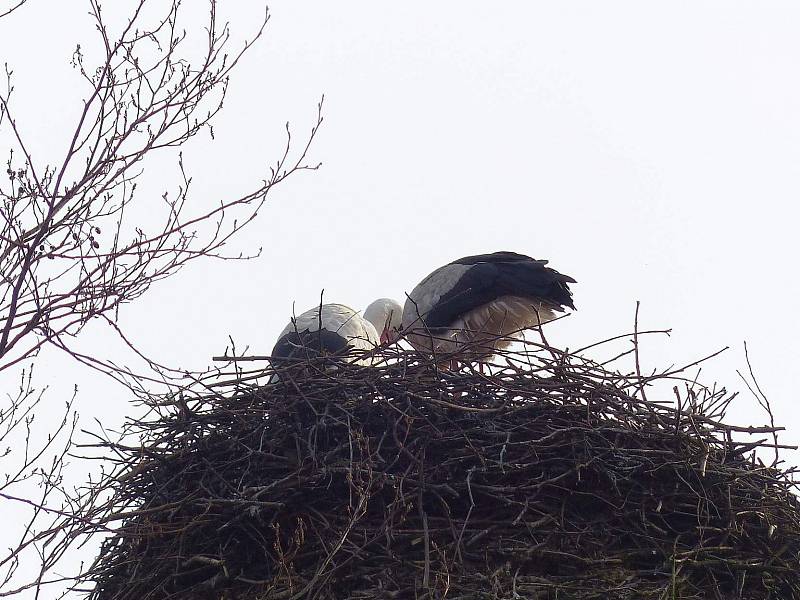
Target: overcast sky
x,y
649,150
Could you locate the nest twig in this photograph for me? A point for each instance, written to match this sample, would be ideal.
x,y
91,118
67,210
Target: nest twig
x,y
549,476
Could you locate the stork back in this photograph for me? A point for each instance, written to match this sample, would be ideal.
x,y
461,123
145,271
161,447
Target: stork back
x,y
309,344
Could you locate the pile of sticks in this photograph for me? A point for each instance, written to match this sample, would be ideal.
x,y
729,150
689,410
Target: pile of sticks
x,y
543,475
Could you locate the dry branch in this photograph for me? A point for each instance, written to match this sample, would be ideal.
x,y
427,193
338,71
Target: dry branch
x,y
77,238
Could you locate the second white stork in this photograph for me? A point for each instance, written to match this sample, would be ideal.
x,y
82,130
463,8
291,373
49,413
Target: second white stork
x,y
481,301
336,329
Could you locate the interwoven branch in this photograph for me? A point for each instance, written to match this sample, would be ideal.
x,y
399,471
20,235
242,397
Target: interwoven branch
x,y
546,476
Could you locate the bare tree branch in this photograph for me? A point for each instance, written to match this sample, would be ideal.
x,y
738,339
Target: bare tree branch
x,y
78,238
76,241
11,9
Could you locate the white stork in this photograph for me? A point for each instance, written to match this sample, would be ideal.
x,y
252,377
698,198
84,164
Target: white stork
x,y
336,329
481,301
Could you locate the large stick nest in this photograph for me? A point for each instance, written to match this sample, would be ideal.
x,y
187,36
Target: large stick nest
x,y
550,477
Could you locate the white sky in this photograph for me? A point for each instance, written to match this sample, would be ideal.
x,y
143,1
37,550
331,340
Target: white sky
x,y
650,150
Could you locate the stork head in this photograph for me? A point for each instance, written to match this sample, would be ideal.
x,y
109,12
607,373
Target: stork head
x,y
386,315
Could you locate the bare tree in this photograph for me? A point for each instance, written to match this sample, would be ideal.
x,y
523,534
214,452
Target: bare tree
x,y
33,489
71,248
76,239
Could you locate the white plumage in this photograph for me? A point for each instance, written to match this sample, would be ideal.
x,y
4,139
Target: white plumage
x,y
386,314
485,328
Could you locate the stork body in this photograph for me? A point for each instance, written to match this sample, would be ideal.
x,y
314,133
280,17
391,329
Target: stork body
x,y
328,329
336,330
480,301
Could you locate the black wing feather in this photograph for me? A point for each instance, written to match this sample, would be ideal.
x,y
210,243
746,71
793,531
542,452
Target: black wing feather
x,y
500,274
